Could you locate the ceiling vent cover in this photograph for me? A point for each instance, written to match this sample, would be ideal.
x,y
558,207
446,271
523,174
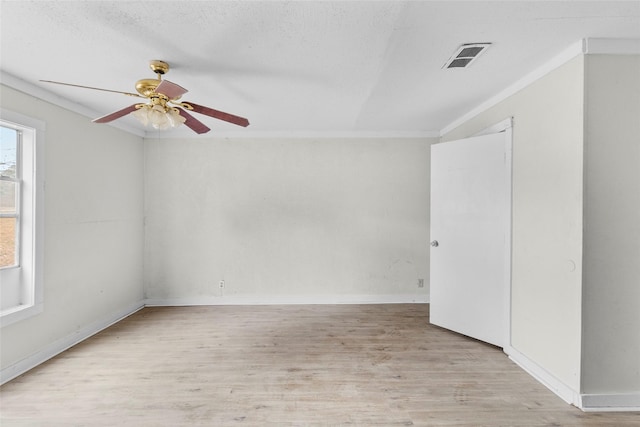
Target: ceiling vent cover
x,y
466,54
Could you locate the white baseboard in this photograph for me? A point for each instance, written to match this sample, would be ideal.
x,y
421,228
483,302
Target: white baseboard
x,y
58,346
586,402
289,300
617,402
563,391
610,402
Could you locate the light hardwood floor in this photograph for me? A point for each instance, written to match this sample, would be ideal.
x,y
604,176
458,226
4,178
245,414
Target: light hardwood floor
x,y
361,365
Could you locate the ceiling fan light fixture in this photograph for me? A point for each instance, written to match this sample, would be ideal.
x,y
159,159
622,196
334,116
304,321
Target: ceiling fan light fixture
x,y
158,112
158,116
175,118
142,114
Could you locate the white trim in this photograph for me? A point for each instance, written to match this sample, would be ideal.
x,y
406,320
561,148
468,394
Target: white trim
x,y
293,134
19,313
506,126
34,134
610,402
612,47
64,343
497,128
563,57
289,300
16,83
561,389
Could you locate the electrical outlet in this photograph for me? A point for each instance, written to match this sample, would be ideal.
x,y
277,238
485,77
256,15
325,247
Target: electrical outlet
x,y
421,283
221,284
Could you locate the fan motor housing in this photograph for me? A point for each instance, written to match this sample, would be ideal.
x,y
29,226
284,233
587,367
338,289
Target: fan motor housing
x,y
146,87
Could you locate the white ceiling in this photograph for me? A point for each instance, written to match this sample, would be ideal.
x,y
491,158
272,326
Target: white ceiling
x,y
300,67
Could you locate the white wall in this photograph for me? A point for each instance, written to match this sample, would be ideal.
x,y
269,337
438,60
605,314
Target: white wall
x,y
93,230
611,301
576,192
286,220
547,217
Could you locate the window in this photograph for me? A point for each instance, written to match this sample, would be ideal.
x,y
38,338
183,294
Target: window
x,y
21,216
9,197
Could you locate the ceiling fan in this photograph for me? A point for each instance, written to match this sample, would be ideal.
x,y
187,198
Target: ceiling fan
x,y
163,110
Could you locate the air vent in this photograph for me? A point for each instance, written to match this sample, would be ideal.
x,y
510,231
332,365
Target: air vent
x,y
466,54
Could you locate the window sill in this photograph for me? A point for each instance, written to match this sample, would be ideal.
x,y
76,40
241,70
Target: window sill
x,y
21,312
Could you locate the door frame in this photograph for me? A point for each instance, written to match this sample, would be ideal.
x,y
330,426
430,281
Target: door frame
x,y
506,126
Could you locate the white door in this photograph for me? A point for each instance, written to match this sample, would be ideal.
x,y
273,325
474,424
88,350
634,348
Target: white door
x,y
470,236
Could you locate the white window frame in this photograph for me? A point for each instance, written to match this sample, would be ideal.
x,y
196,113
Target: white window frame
x,y
11,292
28,274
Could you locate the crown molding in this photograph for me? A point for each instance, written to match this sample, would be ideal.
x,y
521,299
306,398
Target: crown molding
x,y
28,88
293,134
612,46
563,57
31,89
589,46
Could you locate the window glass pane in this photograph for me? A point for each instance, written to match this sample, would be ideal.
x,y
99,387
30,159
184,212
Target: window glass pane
x,y
7,242
8,197
8,151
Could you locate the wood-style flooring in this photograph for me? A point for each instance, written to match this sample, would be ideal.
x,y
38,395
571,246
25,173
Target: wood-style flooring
x,y
313,365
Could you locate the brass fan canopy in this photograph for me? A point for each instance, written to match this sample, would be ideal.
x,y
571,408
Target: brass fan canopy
x,y
159,67
146,87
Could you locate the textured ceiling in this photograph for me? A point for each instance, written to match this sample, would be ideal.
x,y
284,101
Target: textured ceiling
x,y
291,67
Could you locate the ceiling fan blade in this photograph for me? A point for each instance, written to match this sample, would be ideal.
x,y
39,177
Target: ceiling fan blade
x,y
236,120
94,88
116,115
196,125
170,90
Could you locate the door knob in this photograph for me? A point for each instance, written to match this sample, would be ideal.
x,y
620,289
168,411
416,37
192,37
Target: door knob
x,y
435,243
